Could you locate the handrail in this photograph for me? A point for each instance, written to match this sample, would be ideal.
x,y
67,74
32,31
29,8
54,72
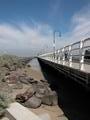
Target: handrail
x,y
67,53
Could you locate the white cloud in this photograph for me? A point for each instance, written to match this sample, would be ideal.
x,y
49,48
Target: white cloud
x,y
82,21
24,37
79,28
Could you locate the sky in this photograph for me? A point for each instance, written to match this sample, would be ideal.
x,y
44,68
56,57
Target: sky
x,y
27,26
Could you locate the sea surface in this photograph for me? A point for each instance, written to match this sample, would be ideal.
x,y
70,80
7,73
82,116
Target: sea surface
x,y
35,64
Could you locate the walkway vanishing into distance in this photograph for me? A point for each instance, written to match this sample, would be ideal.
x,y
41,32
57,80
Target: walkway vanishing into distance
x,y
72,60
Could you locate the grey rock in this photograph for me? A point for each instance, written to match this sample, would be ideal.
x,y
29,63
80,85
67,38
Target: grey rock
x,y
33,102
44,92
33,81
26,95
50,99
24,81
47,100
38,86
44,82
54,98
62,118
40,92
27,80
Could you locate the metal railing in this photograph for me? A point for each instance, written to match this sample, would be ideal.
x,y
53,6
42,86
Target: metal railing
x,y
76,54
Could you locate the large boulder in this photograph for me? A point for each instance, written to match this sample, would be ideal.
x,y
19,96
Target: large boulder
x,y
41,89
45,93
33,102
25,96
50,99
27,80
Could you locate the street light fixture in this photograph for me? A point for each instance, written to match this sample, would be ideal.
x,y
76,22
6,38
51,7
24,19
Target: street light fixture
x,y
54,41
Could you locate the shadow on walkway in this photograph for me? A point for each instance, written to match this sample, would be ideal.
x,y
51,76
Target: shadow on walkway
x,y
73,99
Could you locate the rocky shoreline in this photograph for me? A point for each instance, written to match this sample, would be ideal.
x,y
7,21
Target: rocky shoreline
x,y
10,69
18,82
38,93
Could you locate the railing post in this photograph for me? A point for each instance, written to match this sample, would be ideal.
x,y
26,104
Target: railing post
x,y
63,57
63,54
81,51
81,56
58,56
55,57
70,56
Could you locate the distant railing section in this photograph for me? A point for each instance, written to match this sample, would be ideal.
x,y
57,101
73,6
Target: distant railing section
x,y
76,55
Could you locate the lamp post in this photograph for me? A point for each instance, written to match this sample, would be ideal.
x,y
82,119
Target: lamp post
x,y
54,41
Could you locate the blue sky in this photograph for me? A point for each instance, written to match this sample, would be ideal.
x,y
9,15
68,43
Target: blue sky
x,y
28,24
